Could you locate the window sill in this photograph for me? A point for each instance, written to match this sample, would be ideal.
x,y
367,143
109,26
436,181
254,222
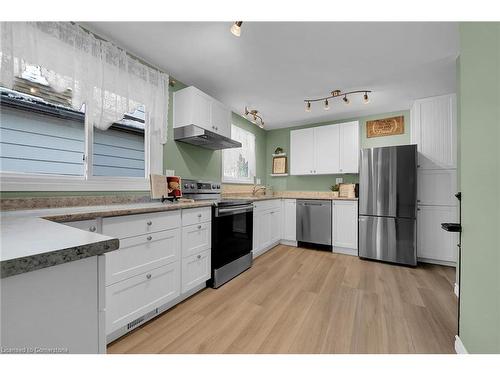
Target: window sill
x,y
37,182
237,182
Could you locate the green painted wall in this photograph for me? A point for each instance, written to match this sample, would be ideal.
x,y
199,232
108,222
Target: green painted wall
x,y
281,137
480,186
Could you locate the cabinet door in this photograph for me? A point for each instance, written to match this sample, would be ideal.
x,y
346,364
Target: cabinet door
x,y
437,187
349,147
435,132
275,221
141,253
345,224
138,295
302,151
196,238
289,213
220,119
265,229
326,149
195,270
201,109
434,243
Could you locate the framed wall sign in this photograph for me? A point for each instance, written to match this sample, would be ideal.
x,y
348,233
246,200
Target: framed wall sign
x,y
279,165
385,127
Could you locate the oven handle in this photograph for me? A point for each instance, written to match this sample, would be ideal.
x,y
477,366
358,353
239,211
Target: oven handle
x,y
233,211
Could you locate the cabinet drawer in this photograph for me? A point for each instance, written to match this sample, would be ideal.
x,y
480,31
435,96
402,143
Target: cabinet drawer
x,y
134,297
195,270
90,225
196,238
134,225
139,254
196,215
267,205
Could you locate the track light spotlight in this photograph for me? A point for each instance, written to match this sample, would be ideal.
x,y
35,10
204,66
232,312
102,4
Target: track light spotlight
x,y
236,28
327,105
346,101
366,99
308,106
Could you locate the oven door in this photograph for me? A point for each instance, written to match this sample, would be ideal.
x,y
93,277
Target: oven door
x,y
232,230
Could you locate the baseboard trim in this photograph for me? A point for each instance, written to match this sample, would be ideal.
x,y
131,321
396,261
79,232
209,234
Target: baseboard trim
x,y
456,290
438,262
459,346
345,251
288,243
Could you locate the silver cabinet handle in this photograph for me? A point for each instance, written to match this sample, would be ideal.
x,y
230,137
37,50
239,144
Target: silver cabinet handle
x,y
149,222
149,238
315,171
198,256
148,276
92,228
418,200
199,226
199,215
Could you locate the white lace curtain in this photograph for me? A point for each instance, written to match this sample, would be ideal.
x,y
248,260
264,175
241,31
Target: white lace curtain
x,y
99,74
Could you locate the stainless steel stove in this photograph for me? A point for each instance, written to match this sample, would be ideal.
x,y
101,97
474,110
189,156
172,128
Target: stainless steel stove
x,y
232,230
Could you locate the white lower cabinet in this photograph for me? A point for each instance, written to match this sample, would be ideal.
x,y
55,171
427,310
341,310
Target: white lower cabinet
x,y
289,221
141,253
345,227
132,298
266,225
433,243
163,258
195,270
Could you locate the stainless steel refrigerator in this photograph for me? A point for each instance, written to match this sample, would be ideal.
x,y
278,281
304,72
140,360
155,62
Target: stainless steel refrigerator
x,y
388,204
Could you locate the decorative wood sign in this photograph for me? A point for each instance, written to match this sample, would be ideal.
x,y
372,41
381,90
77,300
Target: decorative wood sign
x,y
279,165
386,126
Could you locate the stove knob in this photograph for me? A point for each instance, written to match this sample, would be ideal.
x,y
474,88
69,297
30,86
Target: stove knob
x,y
192,186
214,186
186,186
218,186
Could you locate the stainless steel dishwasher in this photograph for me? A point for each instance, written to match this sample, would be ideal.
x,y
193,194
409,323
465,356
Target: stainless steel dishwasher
x,y
314,223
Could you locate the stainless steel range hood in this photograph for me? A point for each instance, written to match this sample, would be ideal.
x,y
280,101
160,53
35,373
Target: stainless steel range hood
x,y
197,136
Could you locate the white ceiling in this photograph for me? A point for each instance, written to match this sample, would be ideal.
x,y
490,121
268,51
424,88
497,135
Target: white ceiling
x,y
274,66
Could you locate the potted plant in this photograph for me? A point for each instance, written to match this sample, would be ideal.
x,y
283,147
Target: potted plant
x,y
335,188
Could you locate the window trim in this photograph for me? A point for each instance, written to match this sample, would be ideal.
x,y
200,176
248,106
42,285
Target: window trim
x,y
249,181
20,181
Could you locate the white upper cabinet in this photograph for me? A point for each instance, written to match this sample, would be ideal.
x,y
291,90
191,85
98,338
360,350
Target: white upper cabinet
x,y
434,130
302,151
194,107
327,149
327,154
349,147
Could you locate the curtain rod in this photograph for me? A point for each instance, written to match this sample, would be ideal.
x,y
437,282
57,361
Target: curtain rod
x,y
142,61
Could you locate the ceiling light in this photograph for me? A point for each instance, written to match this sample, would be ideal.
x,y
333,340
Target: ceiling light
x,y
336,94
327,106
255,118
236,28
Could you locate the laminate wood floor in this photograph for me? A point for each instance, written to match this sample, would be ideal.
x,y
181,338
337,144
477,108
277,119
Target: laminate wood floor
x,y
297,300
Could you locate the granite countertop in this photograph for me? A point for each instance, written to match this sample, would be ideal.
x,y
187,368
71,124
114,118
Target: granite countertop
x,y
288,195
35,239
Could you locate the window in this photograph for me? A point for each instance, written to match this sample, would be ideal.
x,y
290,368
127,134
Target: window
x,y
238,164
94,118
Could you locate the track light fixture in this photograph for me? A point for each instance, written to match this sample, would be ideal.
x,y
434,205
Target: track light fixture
x,y
254,117
337,94
236,28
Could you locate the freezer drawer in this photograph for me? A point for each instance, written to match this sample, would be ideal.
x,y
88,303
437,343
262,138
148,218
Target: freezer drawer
x,y
314,221
388,239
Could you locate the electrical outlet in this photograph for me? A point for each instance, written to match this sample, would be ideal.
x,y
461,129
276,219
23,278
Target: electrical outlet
x,y
339,180
169,172
257,181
